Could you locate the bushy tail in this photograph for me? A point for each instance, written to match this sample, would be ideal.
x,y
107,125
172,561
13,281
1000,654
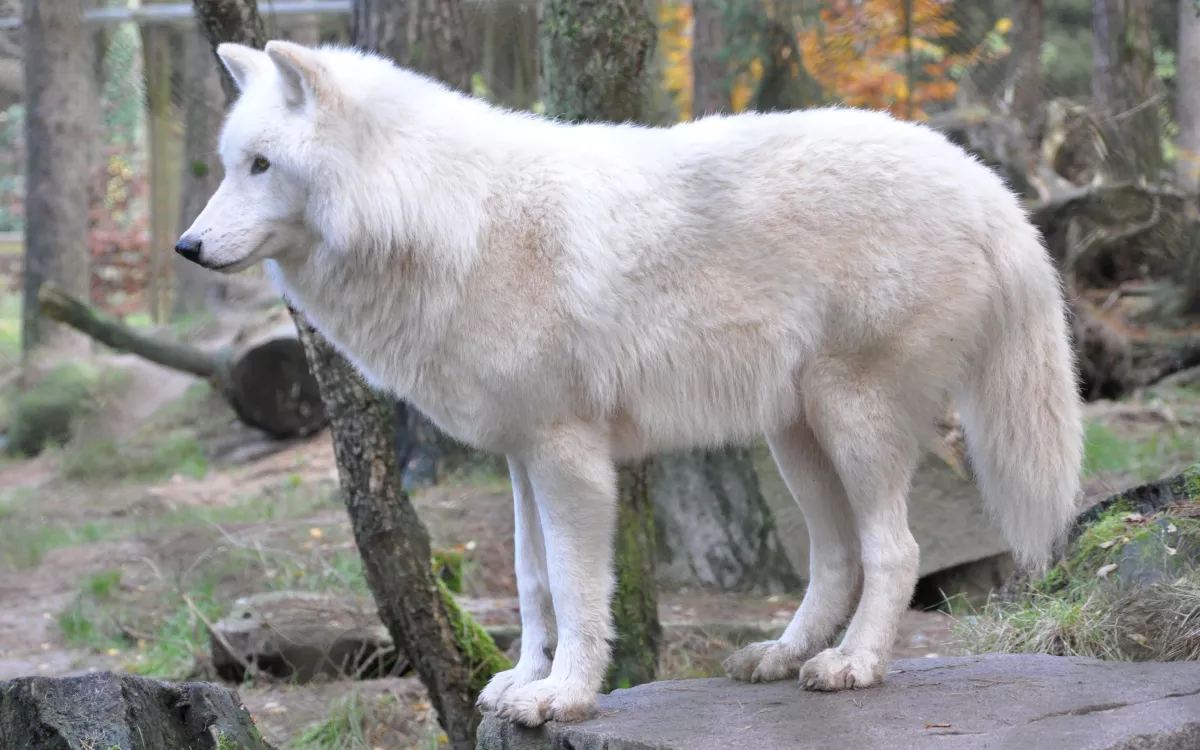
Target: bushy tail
x,y
1020,405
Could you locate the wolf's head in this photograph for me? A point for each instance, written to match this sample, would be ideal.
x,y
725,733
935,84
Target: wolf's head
x,y
266,146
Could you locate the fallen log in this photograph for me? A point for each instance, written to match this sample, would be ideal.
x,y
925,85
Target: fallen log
x,y
262,373
303,636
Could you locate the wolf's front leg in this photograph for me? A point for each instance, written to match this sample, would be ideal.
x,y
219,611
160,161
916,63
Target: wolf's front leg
x,y
533,593
575,486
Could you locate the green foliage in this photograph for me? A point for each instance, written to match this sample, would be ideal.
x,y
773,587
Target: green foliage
x,y
1142,457
343,729
47,412
178,452
23,547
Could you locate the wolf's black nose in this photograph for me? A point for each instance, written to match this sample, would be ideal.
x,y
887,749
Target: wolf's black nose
x,y
189,249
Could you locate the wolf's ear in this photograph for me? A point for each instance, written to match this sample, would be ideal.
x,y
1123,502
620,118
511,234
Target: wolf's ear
x,y
242,62
301,72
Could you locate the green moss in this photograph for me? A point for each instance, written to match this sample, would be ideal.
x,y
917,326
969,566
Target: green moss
x,y
448,566
484,658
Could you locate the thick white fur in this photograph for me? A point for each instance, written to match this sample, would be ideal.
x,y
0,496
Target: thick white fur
x,y
577,295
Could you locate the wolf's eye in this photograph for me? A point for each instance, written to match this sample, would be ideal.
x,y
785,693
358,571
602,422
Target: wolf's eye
x,y
259,165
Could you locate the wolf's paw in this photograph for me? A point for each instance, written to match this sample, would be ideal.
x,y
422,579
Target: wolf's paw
x,y
502,683
765,661
547,700
836,669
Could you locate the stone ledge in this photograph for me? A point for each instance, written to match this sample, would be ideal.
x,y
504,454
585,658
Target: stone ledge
x,y
1027,702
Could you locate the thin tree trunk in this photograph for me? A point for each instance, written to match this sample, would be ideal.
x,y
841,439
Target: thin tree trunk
x,y
1187,92
160,56
1102,77
710,80
202,170
425,35
58,70
1125,90
1187,116
453,656
1026,74
594,59
1139,118
639,636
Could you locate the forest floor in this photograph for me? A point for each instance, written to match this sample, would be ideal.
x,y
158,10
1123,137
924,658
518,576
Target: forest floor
x,y
116,548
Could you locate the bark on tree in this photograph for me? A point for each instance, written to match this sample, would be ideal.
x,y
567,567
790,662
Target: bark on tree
x,y
1102,77
1187,93
425,35
639,636
1187,116
160,60
714,529
1026,73
510,52
1125,91
58,70
202,172
710,81
453,656
594,59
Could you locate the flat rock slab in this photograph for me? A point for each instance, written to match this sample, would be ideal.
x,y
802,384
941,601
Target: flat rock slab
x,y
1026,702
107,711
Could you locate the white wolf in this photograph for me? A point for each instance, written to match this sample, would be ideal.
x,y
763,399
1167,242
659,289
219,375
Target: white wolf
x,y
574,296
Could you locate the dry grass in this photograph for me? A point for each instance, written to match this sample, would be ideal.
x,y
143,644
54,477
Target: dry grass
x,y
1093,603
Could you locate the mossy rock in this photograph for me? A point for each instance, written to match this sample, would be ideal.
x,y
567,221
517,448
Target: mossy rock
x,y
1141,536
47,412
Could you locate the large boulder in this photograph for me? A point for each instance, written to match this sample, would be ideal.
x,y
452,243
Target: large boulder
x,y
110,711
1029,701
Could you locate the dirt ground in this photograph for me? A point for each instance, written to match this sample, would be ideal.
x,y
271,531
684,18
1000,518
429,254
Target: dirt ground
x,y
124,572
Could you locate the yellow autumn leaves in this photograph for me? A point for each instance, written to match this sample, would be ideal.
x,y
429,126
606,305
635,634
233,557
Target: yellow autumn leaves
x,y
856,50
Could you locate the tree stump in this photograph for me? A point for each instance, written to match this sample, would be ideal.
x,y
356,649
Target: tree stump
x,y
106,710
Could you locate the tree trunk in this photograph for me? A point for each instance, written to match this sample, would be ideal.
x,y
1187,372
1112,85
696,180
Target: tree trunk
x,y
448,649
1140,126
714,529
710,80
594,58
1102,74
1026,73
58,70
425,35
1125,90
785,84
202,170
160,58
1187,92
635,606
510,52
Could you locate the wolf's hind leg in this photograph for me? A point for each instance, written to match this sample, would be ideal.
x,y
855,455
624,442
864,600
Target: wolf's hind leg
x,y
835,573
533,593
867,426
